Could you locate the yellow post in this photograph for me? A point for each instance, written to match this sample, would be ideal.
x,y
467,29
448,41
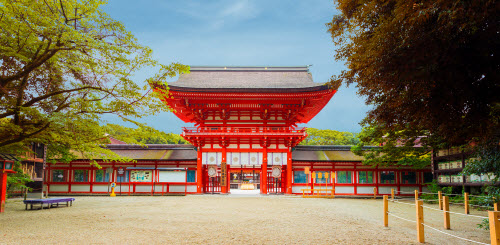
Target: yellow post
x,y
440,198
466,203
496,206
333,184
446,210
494,227
416,194
313,177
420,221
374,192
113,190
392,193
386,211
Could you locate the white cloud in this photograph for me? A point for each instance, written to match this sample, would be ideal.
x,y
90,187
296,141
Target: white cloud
x,y
215,15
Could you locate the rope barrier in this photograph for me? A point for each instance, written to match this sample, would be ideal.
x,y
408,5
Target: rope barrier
x,y
429,193
389,213
404,198
445,194
411,204
468,215
481,206
465,239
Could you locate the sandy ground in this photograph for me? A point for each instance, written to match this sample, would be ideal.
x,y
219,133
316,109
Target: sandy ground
x,y
231,219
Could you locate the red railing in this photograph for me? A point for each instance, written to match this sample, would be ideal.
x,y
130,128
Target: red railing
x,y
243,130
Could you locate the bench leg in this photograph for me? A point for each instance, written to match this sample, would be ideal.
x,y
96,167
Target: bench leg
x,y
67,204
71,203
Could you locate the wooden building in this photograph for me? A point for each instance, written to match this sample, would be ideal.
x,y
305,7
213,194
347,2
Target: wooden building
x,y
447,165
246,131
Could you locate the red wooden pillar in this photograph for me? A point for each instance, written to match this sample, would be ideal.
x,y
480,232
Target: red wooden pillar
x,y
263,173
199,171
3,190
224,187
289,172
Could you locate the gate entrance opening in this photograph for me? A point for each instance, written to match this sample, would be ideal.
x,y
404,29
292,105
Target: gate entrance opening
x,y
244,179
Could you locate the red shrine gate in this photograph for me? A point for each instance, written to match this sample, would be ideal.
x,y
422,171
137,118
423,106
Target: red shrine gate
x,y
246,120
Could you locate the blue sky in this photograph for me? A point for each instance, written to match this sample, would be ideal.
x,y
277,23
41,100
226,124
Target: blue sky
x,y
254,33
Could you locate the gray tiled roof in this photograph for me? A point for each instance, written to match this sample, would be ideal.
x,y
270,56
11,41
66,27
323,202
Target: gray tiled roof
x,y
220,77
8,157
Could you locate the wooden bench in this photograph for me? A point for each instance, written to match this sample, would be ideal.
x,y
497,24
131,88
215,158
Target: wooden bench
x,y
318,192
49,201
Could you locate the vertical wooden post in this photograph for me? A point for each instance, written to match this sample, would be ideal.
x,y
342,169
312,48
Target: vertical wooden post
x,y
263,173
374,192
420,221
199,171
446,210
386,211
440,199
3,190
392,193
494,227
289,173
416,195
466,203
496,207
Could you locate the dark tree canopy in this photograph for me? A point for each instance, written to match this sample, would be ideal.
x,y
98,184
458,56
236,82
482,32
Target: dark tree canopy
x,y
428,67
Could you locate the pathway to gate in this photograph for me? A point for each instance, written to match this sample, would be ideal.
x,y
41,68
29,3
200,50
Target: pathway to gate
x,y
216,219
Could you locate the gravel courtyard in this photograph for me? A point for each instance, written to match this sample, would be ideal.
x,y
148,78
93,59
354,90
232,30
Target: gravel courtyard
x,y
232,219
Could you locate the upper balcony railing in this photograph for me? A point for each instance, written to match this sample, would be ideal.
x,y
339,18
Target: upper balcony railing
x,y
243,131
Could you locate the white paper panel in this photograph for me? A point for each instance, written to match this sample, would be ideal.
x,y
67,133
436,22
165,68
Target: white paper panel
x,y
172,176
245,158
234,158
276,158
211,158
255,158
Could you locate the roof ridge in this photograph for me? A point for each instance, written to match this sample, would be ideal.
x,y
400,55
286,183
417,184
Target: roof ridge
x,y
249,68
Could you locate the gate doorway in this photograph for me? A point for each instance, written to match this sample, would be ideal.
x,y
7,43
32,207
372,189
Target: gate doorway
x,y
244,179
276,185
211,185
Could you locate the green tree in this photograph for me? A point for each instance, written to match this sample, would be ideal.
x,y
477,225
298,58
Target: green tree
x,y
428,68
392,150
143,135
64,64
329,137
18,180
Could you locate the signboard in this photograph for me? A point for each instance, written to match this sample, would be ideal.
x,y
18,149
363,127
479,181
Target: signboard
x,y
141,176
276,171
113,185
121,171
306,170
223,174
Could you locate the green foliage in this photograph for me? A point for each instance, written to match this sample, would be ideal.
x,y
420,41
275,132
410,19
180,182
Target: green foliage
x,y
392,148
143,135
428,66
329,137
65,63
18,180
